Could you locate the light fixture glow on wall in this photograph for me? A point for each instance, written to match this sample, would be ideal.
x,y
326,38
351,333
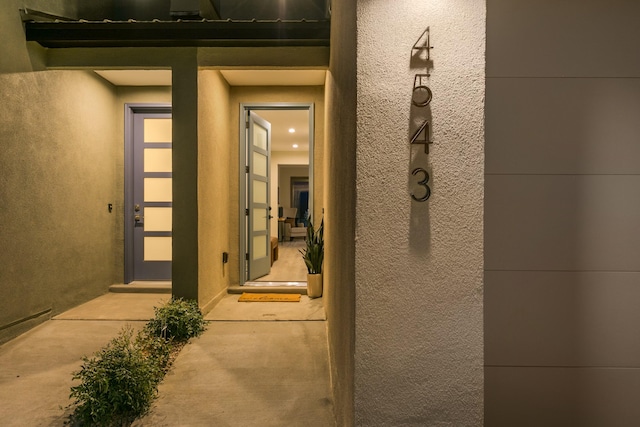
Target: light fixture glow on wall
x,y
291,130
295,145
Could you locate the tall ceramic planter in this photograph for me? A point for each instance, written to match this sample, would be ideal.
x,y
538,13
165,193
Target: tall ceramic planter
x,y
314,285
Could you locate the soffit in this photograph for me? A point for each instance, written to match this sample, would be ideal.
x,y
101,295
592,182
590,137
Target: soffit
x,y
233,77
274,77
136,77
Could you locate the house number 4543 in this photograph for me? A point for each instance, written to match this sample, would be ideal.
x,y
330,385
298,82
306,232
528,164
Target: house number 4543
x,y
421,98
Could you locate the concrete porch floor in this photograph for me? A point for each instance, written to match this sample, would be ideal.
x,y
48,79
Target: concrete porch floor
x,y
240,372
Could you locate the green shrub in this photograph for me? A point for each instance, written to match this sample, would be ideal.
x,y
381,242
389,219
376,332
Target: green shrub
x,y
178,319
158,350
119,383
313,253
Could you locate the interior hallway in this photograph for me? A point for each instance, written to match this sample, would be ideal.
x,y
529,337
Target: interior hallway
x,y
240,372
289,267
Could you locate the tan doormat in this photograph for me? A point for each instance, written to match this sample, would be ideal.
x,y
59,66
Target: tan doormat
x,y
246,297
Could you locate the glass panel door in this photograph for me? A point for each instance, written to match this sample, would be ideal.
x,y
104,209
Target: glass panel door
x,y
258,210
149,204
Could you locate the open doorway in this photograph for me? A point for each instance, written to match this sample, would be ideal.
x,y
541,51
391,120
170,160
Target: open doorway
x,y
277,158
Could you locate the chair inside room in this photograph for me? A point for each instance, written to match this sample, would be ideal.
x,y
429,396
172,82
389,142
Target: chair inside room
x,y
291,228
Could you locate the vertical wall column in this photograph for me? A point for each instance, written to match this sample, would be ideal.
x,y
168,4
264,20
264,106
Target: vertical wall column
x,y
418,265
340,207
185,177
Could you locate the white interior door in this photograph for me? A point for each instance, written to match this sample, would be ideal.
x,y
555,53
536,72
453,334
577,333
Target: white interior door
x,y
258,198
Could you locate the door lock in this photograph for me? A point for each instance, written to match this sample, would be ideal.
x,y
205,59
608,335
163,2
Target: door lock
x,y
137,218
136,208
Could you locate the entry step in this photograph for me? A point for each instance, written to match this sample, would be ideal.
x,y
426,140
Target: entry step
x,y
140,287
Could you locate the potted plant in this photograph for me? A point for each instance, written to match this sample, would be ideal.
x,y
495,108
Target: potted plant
x,y
313,255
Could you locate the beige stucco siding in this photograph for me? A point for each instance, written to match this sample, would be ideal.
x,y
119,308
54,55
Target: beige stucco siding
x,y
215,212
419,266
59,145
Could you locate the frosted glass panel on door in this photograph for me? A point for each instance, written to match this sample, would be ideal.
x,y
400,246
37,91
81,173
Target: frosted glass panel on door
x,y
259,164
157,160
157,219
157,248
260,137
259,247
157,130
259,192
259,219
158,190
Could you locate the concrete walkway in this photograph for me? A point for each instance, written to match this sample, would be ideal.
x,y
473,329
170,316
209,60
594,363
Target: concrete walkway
x,y
238,373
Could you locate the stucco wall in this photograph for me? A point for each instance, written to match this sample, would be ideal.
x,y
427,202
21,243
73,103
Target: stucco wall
x,y
419,266
20,56
273,94
58,175
214,178
562,214
59,144
340,205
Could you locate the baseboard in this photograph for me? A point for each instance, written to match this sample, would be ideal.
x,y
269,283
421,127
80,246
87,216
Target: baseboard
x,y
19,327
206,308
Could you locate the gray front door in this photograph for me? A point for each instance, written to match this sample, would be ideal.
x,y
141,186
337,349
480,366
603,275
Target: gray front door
x,y
258,204
148,210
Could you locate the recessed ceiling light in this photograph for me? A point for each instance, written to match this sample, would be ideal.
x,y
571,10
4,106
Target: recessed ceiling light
x,y
295,145
291,130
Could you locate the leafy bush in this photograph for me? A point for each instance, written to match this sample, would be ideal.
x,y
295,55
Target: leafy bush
x,y
178,319
313,253
119,383
158,350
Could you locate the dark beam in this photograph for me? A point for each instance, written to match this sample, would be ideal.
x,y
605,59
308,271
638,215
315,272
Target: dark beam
x,y
179,33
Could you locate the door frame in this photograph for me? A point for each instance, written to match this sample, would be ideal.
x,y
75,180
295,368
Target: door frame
x,y
242,199
130,110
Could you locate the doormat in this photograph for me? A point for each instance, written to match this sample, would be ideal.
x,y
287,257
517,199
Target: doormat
x,y
246,297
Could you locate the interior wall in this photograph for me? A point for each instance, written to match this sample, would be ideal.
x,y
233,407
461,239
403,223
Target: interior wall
x,y
128,95
281,184
419,266
59,146
284,183
562,254
214,183
340,207
279,158
275,94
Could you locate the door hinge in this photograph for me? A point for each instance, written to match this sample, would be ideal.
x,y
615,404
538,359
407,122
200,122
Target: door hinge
x,y
246,257
246,169
246,124
246,212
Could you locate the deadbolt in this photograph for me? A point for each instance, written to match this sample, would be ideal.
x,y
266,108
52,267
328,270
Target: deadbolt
x,y
136,208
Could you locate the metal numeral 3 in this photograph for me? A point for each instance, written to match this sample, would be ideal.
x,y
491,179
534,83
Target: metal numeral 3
x,y
423,183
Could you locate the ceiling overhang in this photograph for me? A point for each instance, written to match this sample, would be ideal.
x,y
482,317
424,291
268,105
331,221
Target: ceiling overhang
x,y
205,33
